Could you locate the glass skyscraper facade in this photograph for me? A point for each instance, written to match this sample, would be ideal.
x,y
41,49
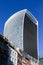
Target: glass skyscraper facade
x,y
21,30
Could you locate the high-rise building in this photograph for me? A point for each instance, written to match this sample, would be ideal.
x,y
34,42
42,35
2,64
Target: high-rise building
x,y
21,30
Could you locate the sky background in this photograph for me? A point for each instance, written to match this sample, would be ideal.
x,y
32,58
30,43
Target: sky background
x,y
9,7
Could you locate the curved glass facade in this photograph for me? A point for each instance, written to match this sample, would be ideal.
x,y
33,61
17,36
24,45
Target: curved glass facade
x,y
21,31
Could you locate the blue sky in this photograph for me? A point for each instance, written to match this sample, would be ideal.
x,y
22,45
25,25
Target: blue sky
x,y
9,7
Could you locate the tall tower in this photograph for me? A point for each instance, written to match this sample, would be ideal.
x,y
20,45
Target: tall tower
x,y
21,30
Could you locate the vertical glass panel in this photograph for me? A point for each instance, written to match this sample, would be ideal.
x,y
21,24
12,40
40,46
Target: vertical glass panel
x,y
30,37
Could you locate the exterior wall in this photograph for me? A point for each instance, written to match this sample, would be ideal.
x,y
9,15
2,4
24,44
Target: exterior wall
x,y
40,63
28,62
33,62
41,60
9,56
3,52
13,29
30,37
13,57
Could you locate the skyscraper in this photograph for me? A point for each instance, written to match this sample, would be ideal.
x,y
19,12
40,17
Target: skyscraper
x,y
21,30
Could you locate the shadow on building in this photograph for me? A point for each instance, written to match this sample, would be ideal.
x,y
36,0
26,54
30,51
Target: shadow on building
x,y
4,51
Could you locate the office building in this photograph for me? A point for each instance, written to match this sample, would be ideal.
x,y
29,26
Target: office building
x,y
21,30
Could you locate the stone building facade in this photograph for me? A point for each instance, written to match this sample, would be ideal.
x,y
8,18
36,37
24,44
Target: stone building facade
x,y
11,55
3,51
